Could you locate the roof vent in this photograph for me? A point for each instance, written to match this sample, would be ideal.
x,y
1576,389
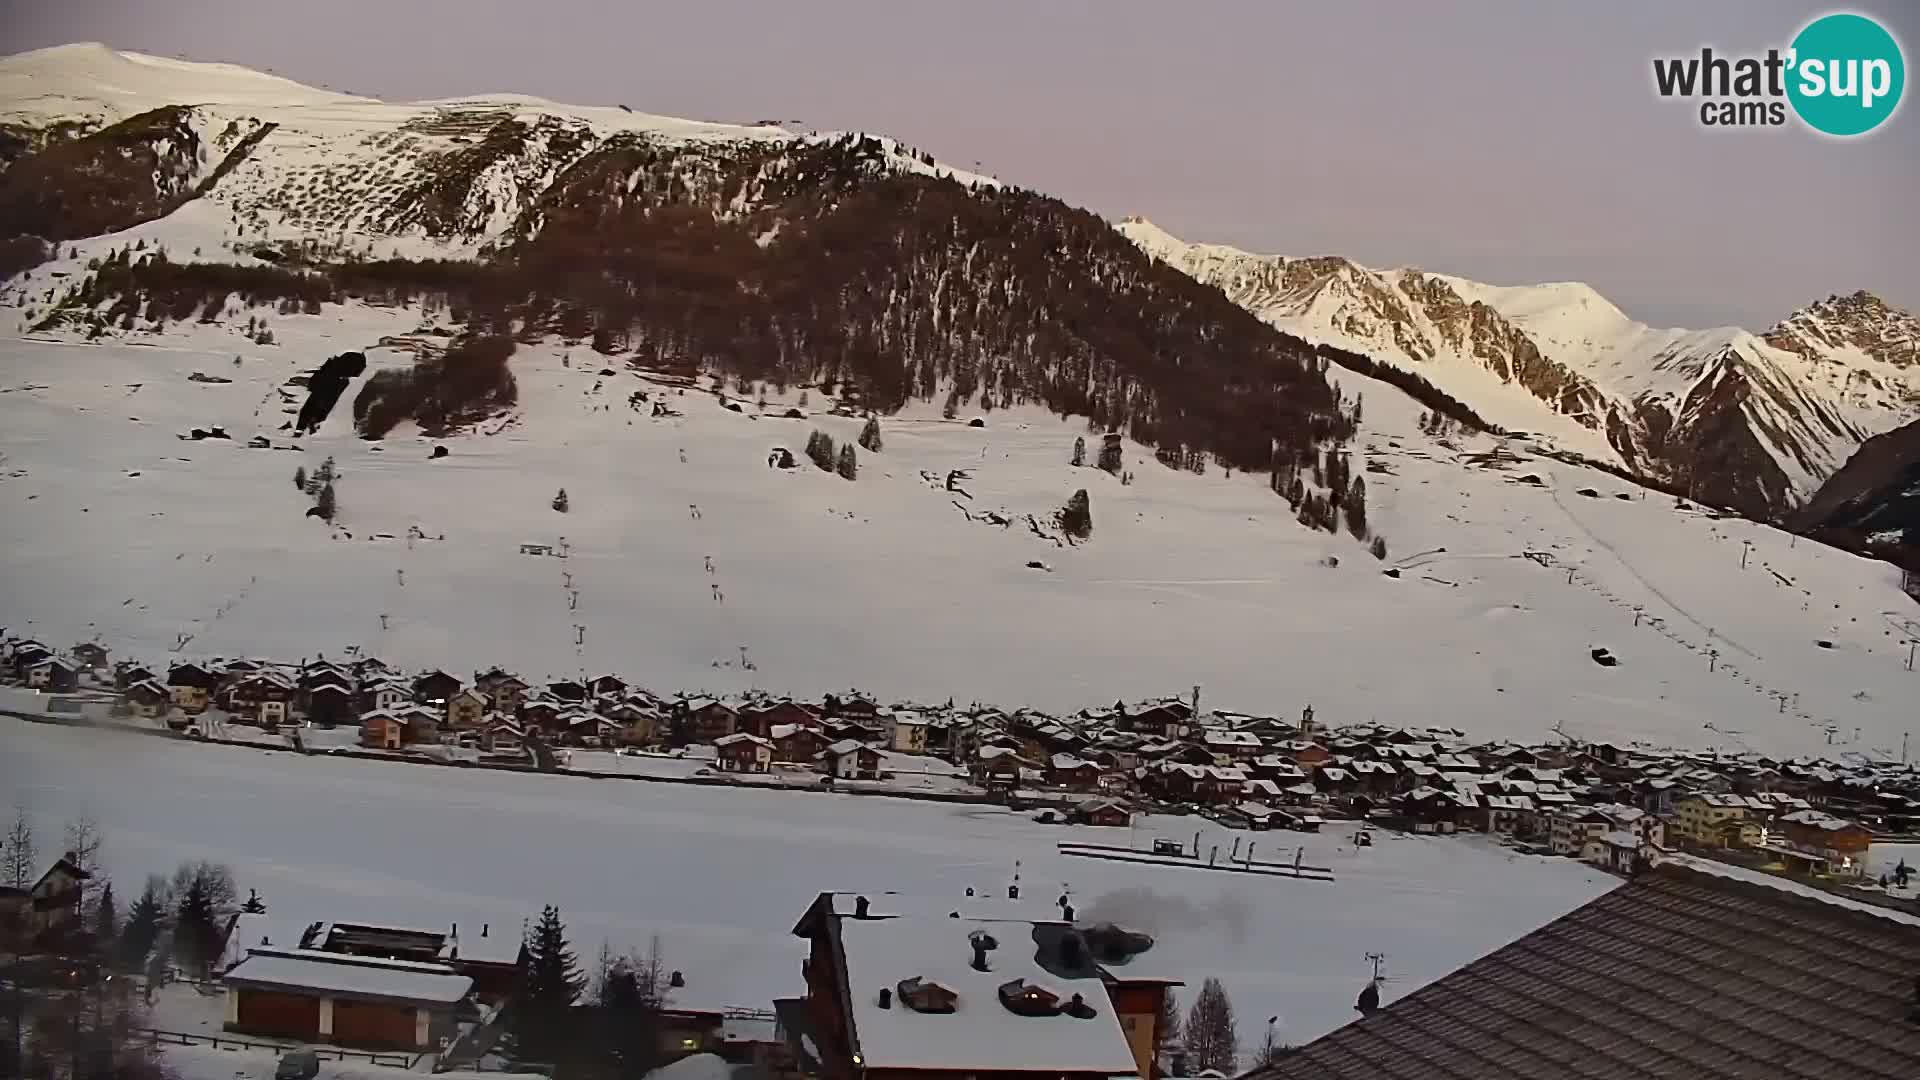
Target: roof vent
x,y
860,907
886,998
982,943
1079,1009
924,996
1023,998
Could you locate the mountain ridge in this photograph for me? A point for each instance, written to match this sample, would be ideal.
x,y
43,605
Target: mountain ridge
x,y
278,178
1754,421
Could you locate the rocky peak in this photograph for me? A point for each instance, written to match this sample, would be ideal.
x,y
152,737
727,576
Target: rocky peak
x,y
1859,320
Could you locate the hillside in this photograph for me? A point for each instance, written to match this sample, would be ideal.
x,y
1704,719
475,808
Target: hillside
x,y
1873,502
112,524
643,312
845,261
1752,422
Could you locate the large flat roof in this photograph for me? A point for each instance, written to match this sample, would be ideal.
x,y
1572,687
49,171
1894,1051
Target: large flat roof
x,y
354,976
980,1034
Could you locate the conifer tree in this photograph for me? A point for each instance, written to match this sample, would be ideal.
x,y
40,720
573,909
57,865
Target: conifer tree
x,y
1079,451
539,1022
325,502
870,435
820,451
1212,1042
560,501
849,464
1379,548
196,937
1076,518
142,931
300,477
106,915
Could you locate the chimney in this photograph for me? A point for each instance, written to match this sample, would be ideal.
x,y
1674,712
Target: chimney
x,y
982,943
456,932
860,907
676,980
1066,912
886,998
483,929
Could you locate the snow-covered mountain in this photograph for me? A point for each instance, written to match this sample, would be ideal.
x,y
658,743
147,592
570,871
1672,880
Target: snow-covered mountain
x,y
175,191
432,178
644,312
1752,421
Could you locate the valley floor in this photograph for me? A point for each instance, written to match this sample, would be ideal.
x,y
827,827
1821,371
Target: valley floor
x,y
722,875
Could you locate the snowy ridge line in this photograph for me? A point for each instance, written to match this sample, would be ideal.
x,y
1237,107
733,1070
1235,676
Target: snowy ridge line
x,y
1560,360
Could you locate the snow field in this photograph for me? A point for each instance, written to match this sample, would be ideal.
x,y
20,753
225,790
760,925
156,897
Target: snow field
x,y
722,876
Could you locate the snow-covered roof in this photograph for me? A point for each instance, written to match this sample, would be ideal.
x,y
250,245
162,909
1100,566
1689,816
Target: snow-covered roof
x,y
1819,820
253,930
981,1034
307,969
743,737
1217,737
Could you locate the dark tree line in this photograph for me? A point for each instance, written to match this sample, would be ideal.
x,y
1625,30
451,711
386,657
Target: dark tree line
x,y
465,384
892,288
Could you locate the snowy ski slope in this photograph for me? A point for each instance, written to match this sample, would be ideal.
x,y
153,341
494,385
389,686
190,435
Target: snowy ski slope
x,y
111,525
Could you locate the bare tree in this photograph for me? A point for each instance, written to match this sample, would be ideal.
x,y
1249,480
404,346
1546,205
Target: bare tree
x,y
18,860
214,880
83,847
1167,1029
1212,1042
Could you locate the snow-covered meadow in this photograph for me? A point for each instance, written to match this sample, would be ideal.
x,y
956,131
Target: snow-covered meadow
x,y
722,875
112,526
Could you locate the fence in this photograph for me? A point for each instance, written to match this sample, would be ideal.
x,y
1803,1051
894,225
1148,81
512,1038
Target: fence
x,y
155,1036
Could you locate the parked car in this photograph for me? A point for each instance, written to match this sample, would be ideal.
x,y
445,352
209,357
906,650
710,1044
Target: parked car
x,y
297,1065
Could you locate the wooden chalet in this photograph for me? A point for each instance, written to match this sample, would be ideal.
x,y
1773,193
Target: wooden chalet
x,y
743,752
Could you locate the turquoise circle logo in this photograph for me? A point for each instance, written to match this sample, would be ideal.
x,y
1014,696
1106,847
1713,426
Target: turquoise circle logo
x,y
1847,74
